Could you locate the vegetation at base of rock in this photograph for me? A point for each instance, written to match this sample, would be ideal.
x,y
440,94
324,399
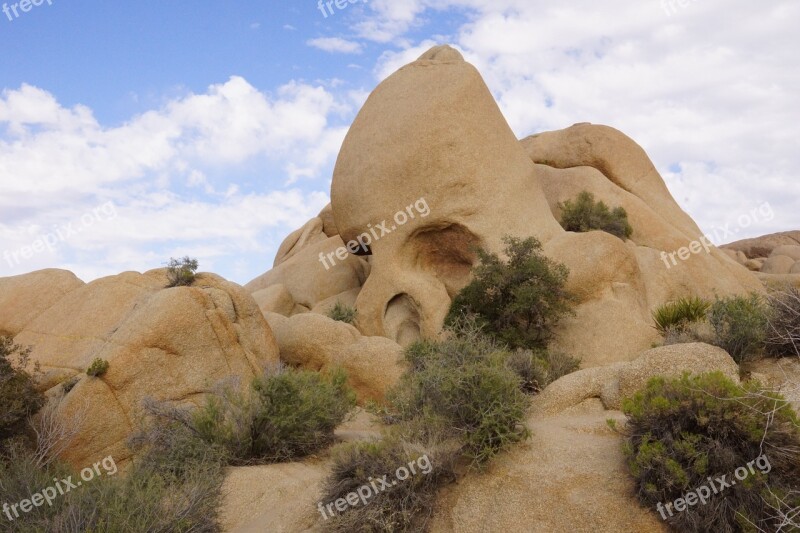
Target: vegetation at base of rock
x,y
97,368
585,214
404,507
740,325
681,432
19,397
678,314
282,415
343,313
182,272
172,485
783,333
464,381
519,301
539,368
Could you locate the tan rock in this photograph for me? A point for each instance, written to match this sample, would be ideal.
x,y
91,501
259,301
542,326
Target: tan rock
x,y
315,342
432,131
328,221
571,476
275,299
792,251
795,269
281,497
169,344
23,298
763,246
777,281
778,264
754,264
308,280
347,298
670,362
310,233
613,383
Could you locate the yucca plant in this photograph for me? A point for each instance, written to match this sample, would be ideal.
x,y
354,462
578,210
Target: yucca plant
x,y
679,314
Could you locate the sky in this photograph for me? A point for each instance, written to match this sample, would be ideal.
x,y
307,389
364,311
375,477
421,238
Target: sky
x,y
134,132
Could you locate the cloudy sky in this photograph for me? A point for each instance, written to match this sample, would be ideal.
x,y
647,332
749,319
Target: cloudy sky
x,y
134,132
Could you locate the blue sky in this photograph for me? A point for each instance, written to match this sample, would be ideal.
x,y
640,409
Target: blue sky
x,y
130,133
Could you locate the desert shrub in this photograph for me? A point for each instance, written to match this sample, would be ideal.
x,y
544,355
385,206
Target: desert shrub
x,y
182,272
519,301
584,214
683,432
783,331
677,315
147,498
403,507
97,368
343,313
284,414
740,325
19,398
464,381
539,368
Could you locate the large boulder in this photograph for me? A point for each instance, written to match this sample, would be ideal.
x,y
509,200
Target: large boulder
x,y
432,131
778,264
315,272
787,250
315,342
24,297
165,343
764,245
612,383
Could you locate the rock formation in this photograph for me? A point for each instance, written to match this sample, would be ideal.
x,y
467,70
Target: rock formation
x,y
168,344
433,131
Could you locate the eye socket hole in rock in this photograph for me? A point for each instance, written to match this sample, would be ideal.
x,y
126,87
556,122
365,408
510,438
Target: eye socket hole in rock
x,y
448,250
401,320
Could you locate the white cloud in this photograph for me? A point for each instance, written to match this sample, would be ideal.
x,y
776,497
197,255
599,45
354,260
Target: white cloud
x,y
162,171
335,45
710,87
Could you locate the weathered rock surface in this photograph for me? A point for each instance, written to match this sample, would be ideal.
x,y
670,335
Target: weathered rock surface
x,y
315,342
764,245
778,264
23,298
169,344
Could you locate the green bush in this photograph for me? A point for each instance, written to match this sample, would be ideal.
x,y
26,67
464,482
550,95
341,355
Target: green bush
x,y
147,498
343,313
740,325
404,507
683,432
519,301
783,332
465,382
539,368
182,272
679,314
97,368
584,214
19,398
283,415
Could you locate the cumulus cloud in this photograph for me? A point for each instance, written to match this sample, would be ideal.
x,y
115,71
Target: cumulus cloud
x,y
707,88
160,172
335,45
